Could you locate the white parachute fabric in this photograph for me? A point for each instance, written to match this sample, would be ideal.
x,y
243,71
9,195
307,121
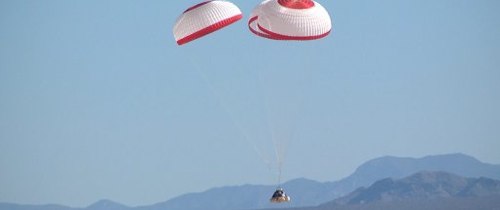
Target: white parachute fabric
x,y
204,18
252,22
290,20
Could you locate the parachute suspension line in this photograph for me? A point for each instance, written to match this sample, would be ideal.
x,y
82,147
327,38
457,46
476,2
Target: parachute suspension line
x,y
247,138
279,175
283,125
278,146
279,160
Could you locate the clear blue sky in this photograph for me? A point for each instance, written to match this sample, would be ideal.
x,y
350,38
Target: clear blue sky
x,y
97,100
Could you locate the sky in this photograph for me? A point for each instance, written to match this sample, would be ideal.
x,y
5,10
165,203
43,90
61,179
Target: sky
x,y
98,102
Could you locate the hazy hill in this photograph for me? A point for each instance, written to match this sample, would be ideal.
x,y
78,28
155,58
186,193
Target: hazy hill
x,y
469,203
9,206
422,186
424,190
99,205
107,205
396,167
243,197
306,192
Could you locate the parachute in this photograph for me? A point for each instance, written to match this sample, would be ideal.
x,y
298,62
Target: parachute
x,y
299,20
205,18
290,20
295,20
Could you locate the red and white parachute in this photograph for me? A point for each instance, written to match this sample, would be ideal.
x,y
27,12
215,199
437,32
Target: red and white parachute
x,y
272,19
290,20
205,18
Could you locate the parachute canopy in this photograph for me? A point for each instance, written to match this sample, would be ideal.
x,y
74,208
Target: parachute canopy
x,y
290,20
205,18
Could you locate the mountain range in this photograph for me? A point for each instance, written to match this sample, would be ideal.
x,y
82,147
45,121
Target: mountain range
x,y
423,185
385,171
423,190
305,192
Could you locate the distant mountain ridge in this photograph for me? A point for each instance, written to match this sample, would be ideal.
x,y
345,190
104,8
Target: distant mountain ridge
x,y
107,205
424,190
10,206
423,185
99,205
397,167
304,192
453,203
